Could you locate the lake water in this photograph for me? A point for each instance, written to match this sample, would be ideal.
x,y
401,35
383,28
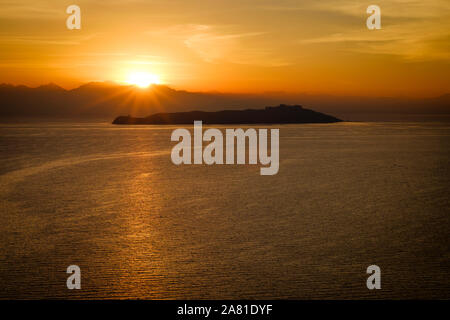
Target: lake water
x,y
108,199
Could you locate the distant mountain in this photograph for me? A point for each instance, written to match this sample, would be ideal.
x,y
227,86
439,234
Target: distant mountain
x,y
279,114
107,99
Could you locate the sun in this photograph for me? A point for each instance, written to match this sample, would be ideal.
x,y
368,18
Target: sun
x,y
142,79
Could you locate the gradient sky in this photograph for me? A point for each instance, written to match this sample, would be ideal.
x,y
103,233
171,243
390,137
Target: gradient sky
x,y
232,45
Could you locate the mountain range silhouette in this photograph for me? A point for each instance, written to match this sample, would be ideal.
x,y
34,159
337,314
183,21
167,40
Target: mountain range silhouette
x,y
108,100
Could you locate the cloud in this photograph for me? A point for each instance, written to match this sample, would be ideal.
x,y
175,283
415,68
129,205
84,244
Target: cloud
x,y
408,44
391,8
216,44
412,30
76,40
27,10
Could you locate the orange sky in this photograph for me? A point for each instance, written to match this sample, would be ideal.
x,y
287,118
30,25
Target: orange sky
x,y
232,45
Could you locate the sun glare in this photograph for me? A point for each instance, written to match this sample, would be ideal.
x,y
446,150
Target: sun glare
x,y
142,79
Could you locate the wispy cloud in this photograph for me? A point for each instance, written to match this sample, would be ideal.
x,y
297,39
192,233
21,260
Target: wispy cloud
x,y
36,10
390,8
76,40
410,45
413,30
214,44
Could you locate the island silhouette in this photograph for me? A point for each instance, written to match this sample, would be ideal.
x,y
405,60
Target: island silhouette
x,y
271,115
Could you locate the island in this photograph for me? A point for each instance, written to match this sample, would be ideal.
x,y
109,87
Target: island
x,y
269,115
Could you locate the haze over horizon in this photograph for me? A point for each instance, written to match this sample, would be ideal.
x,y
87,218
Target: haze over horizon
x,y
232,46
212,91
108,100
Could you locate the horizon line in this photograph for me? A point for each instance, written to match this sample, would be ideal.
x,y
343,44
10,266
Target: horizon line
x,y
116,83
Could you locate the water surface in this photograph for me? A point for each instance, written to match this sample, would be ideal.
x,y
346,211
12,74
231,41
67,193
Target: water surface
x,y
109,199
